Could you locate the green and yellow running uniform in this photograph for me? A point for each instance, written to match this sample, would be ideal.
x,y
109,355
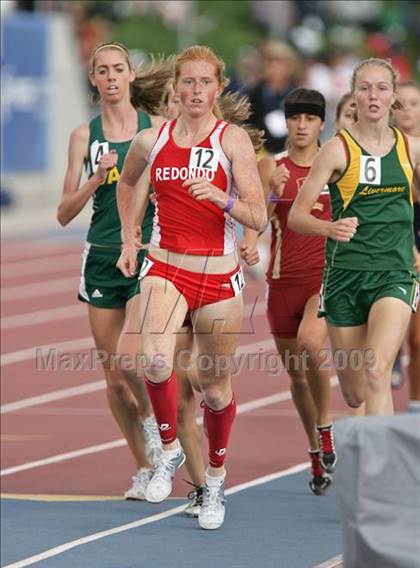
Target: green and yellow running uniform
x,y
378,261
101,283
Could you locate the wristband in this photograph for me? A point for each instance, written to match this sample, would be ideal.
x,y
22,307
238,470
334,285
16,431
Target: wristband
x,y
230,202
272,198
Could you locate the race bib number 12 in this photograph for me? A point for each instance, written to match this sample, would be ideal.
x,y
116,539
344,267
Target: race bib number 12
x,y
203,158
238,281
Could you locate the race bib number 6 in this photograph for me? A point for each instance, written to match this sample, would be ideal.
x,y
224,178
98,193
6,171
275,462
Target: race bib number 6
x,y
203,158
370,170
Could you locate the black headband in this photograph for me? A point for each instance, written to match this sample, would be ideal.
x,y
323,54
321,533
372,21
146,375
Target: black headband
x,y
291,109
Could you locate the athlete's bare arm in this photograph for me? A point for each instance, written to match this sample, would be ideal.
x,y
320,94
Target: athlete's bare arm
x,y
249,209
414,144
134,165
249,253
74,198
328,165
141,201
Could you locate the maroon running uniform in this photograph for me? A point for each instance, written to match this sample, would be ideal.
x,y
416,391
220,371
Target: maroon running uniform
x,y
296,261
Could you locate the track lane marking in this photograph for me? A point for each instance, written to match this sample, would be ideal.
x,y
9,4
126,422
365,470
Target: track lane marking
x,y
53,396
29,353
336,562
78,310
43,316
39,289
56,550
241,409
41,266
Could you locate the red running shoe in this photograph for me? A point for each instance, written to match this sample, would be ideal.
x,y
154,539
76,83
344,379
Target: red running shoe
x,y
326,445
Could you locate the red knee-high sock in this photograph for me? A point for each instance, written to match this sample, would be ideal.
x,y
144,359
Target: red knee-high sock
x,y
219,424
164,399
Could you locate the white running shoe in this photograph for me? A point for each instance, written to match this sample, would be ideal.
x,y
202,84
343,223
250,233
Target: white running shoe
x,y
137,491
160,486
152,441
212,511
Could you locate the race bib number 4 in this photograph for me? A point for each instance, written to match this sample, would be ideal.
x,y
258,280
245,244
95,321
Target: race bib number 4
x,y
370,170
97,149
203,158
238,281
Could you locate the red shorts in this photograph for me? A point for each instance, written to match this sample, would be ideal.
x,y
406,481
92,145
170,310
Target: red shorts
x,y
199,289
286,304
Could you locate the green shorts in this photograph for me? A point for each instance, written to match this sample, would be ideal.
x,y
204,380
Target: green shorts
x,y
102,284
347,295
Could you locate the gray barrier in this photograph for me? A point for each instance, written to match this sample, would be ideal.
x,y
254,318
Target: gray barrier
x,y
378,488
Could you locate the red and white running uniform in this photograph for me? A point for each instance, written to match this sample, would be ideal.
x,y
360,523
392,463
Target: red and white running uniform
x,y
182,224
296,261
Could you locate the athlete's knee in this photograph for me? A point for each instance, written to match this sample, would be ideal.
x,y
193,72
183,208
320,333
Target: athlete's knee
x,y
376,377
309,343
158,367
117,387
353,397
299,381
216,396
354,401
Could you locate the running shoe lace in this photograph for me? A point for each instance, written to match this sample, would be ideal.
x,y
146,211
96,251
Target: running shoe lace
x,y
196,494
327,443
166,465
213,497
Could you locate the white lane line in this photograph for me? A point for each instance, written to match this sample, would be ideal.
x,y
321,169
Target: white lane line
x,y
241,409
65,456
13,252
57,263
44,351
78,310
52,396
86,342
43,316
336,562
55,551
91,387
39,289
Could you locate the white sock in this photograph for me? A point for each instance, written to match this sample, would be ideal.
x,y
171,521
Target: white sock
x,y
174,452
414,405
213,481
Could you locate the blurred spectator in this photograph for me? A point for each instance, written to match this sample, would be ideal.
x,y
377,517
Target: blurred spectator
x,y
247,72
379,45
279,63
275,17
361,11
332,75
